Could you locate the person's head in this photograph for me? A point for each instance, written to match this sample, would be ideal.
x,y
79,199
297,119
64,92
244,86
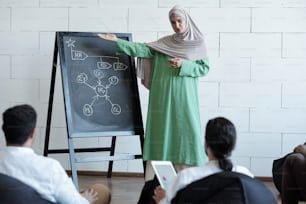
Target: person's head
x,y
178,19
18,124
184,27
220,140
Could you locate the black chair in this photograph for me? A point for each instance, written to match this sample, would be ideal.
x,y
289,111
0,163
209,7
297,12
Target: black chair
x,y
13,191
225,188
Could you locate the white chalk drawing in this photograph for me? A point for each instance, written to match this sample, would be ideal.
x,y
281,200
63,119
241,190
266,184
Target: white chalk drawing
x,y
100,90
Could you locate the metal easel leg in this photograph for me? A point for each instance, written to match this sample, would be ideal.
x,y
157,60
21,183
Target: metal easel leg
x,y
72,163
112,152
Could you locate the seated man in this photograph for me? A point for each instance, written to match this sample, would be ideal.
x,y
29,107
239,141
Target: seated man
x,y
43,174
294,176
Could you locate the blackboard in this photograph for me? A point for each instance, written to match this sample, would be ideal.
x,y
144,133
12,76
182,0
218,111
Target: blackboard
x,y
100,87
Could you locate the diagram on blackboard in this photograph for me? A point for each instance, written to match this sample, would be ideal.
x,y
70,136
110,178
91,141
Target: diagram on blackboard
x,y
100,90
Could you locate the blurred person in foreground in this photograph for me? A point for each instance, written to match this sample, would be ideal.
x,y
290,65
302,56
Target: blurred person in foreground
x,y
45,175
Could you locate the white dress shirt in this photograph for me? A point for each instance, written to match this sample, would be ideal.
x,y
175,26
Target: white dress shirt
x,y
191,174
45,175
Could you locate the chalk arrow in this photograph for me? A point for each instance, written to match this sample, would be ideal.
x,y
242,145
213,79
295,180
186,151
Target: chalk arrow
x,y
104,65
119,66
78,55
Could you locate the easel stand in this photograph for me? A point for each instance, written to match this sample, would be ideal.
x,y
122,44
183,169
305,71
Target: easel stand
x,y
71,150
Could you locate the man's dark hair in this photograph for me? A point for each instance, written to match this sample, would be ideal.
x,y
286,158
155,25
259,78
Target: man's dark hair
x,y
18,122
220,136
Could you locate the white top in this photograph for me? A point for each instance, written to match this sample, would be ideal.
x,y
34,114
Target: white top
x,y
45,175
189,175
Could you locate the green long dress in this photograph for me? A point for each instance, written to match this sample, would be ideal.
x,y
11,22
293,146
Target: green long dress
x,y
173,127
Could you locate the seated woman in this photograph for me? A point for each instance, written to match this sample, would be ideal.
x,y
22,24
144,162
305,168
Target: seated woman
x,y
220,140
294,176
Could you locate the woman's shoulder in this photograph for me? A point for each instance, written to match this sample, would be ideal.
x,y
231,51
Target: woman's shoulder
x,y
243,170
205,170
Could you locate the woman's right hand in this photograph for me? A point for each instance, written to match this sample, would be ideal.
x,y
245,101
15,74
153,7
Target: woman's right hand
x,y
108,36
175,62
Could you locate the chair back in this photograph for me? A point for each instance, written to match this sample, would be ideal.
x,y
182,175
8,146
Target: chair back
x,y
225,188
13,191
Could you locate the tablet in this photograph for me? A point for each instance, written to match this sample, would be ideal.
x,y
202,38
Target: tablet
x,y
164,171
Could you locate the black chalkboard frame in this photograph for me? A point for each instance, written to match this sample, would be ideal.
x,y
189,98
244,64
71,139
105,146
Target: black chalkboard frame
x,y
138,129
137,116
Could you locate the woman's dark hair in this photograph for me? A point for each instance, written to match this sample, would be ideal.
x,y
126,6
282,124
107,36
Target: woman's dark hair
x,y
220,137
18,122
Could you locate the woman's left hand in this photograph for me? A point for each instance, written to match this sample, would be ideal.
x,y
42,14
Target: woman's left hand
x,y
159,194
175,62
300,149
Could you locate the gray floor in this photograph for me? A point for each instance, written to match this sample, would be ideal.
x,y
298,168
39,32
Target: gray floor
x,y
126,190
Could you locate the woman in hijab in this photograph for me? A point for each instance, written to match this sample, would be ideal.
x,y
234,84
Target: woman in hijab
x,y
173,127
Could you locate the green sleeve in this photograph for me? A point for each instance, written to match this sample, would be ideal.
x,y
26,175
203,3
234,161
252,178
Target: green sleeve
x,y
133,49
196,68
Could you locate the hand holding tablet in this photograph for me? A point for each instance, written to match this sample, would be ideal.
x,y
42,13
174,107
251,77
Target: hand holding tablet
x,y
164,171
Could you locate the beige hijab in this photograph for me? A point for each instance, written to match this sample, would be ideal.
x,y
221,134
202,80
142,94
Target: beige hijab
x,y
187,45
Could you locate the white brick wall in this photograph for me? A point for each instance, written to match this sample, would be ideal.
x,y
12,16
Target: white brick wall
x,y
229,69
257,164
19,90
189,3
294,45
279,20
39,19
269,145
208,94
278,120
148,19
46,43
263,3
239,116
5,67
251,3
213,44
67,3
31,67
250,44
294,97
4,21
222,19
278,69
250,94
19,3
98,19
257,51
19,43
128,3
